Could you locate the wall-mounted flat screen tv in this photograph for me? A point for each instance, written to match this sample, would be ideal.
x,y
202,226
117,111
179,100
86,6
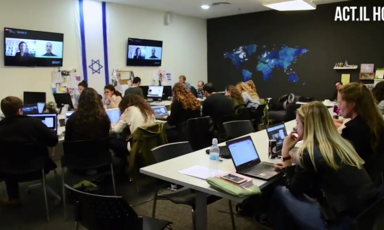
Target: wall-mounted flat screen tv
x,y
142,52
33,48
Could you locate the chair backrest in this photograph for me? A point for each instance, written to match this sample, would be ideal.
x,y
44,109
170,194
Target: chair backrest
x,y
246,113
171,150
21,158
96,212
200,132
372,218
239,128
86,154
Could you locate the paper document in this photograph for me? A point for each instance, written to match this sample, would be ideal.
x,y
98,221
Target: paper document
x,y
199,172
345,78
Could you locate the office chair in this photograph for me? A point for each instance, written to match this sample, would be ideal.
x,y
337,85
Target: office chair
x,y
24,163
96,212
372,218
257,115
221,133
183,196
83,156
199,132
239,128
246,113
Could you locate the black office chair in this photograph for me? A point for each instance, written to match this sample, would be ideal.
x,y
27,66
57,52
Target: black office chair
x,y
199,132
239,128
25,163
96,212
83,156
372,218
257,115
246,113
183,196
221,133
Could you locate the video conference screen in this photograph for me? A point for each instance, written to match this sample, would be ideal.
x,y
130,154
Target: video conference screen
x,y
33,48
143,52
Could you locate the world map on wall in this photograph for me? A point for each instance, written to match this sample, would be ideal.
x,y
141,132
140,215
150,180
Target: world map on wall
x,y
270,59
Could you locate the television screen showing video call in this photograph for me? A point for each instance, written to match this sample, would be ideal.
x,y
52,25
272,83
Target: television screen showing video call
x,y
33,48
143,52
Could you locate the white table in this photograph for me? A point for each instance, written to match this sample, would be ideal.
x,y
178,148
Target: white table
x,y
326,103
169,171
165,103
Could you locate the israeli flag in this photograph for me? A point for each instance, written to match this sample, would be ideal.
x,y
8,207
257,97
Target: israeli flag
x,y
94,43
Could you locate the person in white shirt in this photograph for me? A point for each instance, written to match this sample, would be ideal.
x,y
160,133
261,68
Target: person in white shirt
x,y
112,97
135,113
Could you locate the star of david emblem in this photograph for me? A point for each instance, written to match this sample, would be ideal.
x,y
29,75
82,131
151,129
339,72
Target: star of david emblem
x,y
95,66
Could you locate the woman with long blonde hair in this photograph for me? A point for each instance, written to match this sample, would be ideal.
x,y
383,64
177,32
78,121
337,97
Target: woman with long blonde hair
x,y
250,97
234,95
328,167
366,129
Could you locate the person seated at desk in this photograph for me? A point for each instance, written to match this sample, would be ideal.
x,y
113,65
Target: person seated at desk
x,y
112,97
135,88
378,93
216,105
250,97
80,87
365,130
24,130
235,96
184,107
90,121
328,168
135,113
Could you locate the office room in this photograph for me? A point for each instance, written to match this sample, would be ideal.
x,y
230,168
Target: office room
x,y
159,114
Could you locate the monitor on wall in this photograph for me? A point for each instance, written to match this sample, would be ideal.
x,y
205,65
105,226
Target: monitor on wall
x,y
142,52
33,48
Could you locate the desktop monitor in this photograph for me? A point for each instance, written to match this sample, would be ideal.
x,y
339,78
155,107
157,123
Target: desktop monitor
x,y
145,90
62,99
34,97
167,92
49,119
155,92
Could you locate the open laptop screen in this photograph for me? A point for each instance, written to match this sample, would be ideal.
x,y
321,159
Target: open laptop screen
x,y
50,120
114,115
243,151
160,110
155,91
278,133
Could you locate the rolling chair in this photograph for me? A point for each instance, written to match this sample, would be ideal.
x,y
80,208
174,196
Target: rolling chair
x,y
96,212
183,196
239,128
372,218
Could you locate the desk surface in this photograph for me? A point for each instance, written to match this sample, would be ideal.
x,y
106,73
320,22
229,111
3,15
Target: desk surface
x,y
169,170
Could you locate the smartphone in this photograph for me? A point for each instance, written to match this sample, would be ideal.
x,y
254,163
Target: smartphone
x,y
234,178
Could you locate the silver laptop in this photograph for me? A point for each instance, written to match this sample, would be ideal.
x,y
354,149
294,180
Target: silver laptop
x,y
277,132
160,111
49,119
247,161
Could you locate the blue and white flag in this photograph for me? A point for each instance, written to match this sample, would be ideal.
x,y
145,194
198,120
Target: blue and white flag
x,y
94,43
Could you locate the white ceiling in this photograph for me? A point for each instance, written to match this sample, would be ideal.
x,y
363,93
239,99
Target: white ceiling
x,y
192,7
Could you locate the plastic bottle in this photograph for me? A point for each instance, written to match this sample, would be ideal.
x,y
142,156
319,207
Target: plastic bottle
x,y
214,158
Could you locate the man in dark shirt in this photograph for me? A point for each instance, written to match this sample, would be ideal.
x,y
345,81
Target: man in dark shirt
x,y
135,89
49,50
24,130
216,105
338,84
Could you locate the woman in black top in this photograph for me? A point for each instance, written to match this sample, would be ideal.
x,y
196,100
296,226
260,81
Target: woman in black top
x,y
184,107
328,168
90,121
366,129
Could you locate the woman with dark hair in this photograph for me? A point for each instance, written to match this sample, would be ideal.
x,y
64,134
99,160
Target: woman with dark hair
x,y
90,121
112,97
234,95
137,54
80,87
22,50
378,93
135,113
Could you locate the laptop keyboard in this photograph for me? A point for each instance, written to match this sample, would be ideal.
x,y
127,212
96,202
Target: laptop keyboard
x,y
258,169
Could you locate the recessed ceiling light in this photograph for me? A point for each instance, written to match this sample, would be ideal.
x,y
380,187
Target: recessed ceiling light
x,y
205,7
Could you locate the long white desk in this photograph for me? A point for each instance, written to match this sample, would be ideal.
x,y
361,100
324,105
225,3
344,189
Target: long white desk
x,y
169,171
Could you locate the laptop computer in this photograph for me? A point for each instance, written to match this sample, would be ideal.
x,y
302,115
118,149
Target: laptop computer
x,y
247,161
30,109
160,112
114,115
49,119
277,132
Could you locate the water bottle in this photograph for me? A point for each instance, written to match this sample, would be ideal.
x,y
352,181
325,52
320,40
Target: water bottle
x,y
214,155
